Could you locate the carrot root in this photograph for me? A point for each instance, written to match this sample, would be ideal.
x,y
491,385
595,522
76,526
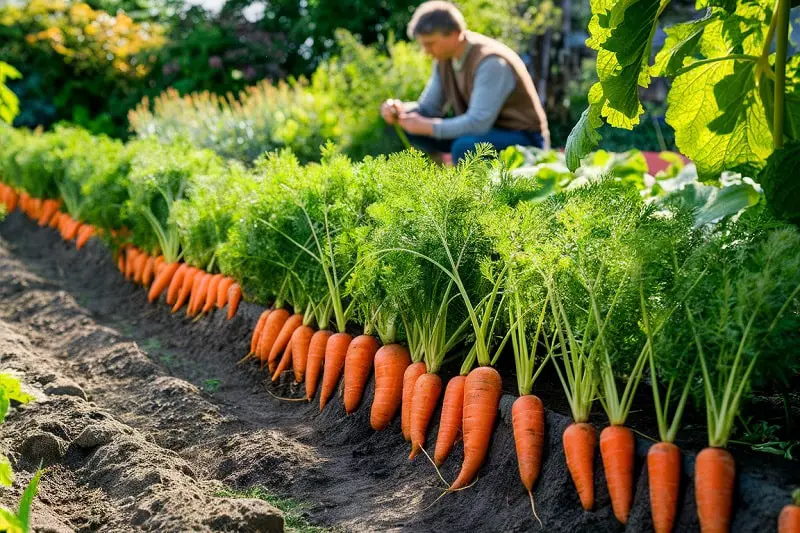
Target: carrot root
x,y
579,439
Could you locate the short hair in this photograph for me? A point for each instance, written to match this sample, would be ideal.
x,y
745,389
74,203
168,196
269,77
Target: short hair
x,y
436,16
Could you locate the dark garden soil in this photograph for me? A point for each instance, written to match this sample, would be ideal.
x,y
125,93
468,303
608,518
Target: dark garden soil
x,y
142,417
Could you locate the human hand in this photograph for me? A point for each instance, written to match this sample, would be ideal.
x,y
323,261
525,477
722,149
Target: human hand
x,y
390,110
416,124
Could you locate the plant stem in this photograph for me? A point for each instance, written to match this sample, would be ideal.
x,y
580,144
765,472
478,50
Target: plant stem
x,y
781,42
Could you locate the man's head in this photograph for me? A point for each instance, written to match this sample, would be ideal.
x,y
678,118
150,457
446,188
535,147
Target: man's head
x,y
439,28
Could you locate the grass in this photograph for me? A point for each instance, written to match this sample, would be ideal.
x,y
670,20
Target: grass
x,y
292,510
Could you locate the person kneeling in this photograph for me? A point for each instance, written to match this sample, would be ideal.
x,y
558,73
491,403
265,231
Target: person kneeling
x,y
483,81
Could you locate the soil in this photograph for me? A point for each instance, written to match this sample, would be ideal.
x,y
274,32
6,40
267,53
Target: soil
x,y
143,416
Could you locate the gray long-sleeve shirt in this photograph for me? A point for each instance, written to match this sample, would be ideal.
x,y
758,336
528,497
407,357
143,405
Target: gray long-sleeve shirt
x,y
494,82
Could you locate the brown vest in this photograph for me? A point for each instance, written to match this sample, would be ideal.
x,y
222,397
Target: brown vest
x,y
522,110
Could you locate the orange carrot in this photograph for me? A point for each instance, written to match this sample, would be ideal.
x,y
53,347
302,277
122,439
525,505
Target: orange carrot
x,y
314,361
211,294
222,292
450,421
234,297
357,366
138,267
664,477
527,419
284,364
272,328
410,376
202,291
257,331
616,450
391,362
121,262
579,442
158,264
301,339
335,352
85,233
714,473
482,392
147,271
162,281
130,254
284,335
186,287
427,390
72,230
49,209
175,284
789,519
55,220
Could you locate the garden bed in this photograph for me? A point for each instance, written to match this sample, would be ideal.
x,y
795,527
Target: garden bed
x,y
69,316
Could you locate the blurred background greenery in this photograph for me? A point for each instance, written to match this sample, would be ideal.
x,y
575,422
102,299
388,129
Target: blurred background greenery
x,y
244,76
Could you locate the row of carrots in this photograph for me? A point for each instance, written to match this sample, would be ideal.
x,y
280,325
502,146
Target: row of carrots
x,y
183,284
283,341
320,358
47,213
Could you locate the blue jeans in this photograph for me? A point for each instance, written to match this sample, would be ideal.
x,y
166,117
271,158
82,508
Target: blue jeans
x,y
459,146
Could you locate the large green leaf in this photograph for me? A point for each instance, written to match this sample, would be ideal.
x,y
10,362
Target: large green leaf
x,y
10,523
6,472
681,43
781,184
622,62
584,137
719,118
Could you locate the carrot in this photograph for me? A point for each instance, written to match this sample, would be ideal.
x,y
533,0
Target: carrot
x,y
147,271
234,297
301,339
664,475
158,264
316,356
391,362
222,292
410,376
121,262
579,442
272,328
450,421
616,450
55,220
130,254
714,474
357,366
335,353
72,230
186,287
211,293
202,290
163,280
138,267
49,209
257,331
482,392
427,390
284,335
284,364
12,200
527,419
86,233
789,519
175,284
